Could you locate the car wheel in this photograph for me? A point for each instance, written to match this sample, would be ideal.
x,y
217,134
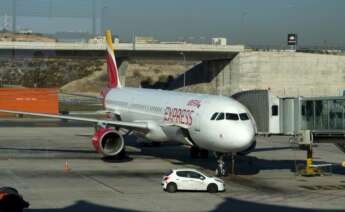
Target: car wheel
x,y
212,188
171,188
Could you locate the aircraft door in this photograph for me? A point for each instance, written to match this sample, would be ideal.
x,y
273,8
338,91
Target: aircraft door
x,y
197,119
196,122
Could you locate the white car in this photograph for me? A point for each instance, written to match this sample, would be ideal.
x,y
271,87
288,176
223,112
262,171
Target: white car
x,y
191,179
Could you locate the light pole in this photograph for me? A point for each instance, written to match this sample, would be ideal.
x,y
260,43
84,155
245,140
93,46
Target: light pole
x,y
184,73
93,17
14,15
103,18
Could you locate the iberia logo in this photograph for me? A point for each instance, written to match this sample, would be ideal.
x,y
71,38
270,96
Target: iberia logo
x,y
194,103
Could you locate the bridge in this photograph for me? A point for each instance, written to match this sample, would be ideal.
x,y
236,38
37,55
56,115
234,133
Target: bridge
x,y
125,50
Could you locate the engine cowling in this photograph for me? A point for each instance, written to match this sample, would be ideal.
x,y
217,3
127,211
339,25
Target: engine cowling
x,y
108,141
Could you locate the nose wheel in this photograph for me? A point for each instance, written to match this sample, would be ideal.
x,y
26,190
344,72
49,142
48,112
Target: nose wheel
x,y
222,168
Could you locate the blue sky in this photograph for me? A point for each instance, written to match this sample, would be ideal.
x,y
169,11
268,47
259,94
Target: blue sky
x,y
256,22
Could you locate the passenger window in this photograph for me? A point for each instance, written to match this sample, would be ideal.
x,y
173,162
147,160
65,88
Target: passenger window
x,y
214,116
195,175
220,116
275,110
244,116
181,174
232,116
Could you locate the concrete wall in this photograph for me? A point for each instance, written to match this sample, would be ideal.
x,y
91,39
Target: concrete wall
x,y
285,73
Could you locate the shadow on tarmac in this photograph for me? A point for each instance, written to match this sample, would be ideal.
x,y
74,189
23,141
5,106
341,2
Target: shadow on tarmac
x,y
229,205
232,205
179,155
46,150
245,165
82,206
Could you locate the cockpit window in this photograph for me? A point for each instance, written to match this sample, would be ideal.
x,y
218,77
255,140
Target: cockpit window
x,y
213,117
232,116
220,116
244,116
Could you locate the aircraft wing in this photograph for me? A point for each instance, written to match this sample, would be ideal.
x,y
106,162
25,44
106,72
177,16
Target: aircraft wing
x,y
126,125
184,126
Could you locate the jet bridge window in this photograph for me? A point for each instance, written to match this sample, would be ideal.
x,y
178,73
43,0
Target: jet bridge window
x,y
232,116
274,110
213,117
244,116
220,116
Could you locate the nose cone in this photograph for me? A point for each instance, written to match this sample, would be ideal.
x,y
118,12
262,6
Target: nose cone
x,y
234,137
244,137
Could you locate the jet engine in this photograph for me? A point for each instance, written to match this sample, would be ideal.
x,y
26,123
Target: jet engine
x,y
108,141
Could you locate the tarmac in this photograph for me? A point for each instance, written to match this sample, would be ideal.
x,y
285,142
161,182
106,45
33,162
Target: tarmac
x,y
34,152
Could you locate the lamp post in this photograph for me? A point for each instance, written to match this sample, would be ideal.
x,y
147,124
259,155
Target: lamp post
x,y
103,18
184,73
14,16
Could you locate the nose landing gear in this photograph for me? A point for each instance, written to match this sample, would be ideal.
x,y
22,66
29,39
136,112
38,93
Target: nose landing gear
x,y
222,169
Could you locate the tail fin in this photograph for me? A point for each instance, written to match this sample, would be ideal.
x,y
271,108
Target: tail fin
x,y
113,74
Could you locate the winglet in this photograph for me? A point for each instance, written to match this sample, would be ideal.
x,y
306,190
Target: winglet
x,y
113,74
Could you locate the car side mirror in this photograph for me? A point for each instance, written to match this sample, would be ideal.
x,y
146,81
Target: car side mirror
x,y
202,178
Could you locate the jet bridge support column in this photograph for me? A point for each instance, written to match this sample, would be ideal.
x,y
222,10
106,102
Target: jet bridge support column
x,y
310,170
305,141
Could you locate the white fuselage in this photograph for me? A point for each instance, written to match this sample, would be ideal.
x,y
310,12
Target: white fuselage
x,y
185,117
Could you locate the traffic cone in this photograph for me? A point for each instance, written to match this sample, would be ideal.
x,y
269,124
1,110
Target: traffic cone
x,y
67,168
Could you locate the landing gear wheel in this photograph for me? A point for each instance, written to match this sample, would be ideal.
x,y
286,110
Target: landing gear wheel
x,y
194,152
212,188
221,172
171,188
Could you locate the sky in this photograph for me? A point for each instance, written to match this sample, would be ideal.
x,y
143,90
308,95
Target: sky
x,y
250,22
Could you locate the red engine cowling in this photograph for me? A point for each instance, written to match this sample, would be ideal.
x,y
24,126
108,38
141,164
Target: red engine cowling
x,y
108,141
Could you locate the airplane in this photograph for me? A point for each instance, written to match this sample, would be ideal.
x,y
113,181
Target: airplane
x,y
204,122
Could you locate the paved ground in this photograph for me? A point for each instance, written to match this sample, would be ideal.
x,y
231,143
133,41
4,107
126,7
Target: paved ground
x,y
32,158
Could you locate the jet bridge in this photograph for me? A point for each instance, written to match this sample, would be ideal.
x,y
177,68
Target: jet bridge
x,y
307,120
